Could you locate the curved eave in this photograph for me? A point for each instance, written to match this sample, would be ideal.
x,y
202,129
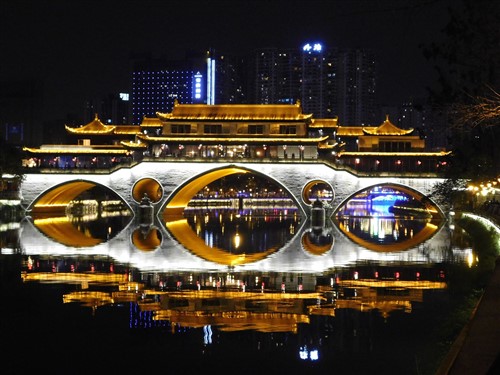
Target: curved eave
x,y
76,151
349,132
127,130
421,154
83,130
134,145
324,123
382,133
328,146
151,122
198,117
233,140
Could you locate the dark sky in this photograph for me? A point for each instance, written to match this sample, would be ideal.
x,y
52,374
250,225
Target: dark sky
x,y
81,48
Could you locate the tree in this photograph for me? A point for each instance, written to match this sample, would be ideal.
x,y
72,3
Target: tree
x,y
467,62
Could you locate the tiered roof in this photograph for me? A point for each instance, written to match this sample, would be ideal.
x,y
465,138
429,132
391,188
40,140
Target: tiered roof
x,y
235,112
96,127
387,128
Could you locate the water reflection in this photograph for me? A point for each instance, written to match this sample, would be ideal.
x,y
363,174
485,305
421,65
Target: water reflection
x,y
244,231
262,287
85,222
385,219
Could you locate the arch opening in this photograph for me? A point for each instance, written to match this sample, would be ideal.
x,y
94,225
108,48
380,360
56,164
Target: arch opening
x,y
388,217
318,190
80,214
213,215
147,187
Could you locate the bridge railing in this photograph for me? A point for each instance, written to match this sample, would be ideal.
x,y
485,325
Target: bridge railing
x,y
319,160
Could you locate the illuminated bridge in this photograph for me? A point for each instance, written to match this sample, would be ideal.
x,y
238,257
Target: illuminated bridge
x,y
171,185
169,243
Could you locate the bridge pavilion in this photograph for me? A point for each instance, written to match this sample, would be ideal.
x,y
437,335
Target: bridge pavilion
x,y
243,132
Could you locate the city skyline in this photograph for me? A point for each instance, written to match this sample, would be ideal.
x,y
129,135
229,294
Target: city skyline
x,y
82,50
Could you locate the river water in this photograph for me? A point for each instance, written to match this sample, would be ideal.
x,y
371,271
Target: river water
x,y
234,290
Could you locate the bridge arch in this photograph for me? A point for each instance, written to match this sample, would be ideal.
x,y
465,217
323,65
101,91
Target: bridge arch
x,y
311,189
180,197
149,186
430,206
57,197
431,221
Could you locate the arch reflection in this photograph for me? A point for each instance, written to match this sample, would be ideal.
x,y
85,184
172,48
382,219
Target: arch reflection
x,y
234,237
317,241
90,218
388,218
146,238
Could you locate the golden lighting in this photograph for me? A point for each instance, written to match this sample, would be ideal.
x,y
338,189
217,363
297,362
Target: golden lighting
x,y
236,241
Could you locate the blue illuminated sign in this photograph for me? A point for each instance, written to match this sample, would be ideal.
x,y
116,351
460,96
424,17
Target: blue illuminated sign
x,y
316,47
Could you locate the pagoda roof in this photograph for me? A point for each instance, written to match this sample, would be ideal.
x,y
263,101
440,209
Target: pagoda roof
x,y
392,154
350,131
77,150
386,128
232,140
127,129
94,127
235,112
324,123
151,122
134,145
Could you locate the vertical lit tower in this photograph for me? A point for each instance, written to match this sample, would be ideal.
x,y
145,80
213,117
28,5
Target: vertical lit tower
x,y
225,80
265,76
277,76
211,64
356,87
313,80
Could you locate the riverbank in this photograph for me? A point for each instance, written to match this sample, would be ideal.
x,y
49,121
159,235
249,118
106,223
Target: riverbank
x,y
476,350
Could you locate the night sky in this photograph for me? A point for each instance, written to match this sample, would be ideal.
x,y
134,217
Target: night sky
x,y
81,48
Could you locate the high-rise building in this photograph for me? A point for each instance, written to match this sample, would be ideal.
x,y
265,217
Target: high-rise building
x,y
158,83
356,99
317,80
226,81
275,76
329,83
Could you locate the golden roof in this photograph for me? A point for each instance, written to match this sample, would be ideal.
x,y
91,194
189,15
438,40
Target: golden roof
x,y
134,145
127,129
326,145
324,123
234,140
228,112
93,127
350,131
387,128
151,122
386,154
77,150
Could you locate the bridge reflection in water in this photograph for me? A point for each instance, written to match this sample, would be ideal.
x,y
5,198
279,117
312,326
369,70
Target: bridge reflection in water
x,y
266,269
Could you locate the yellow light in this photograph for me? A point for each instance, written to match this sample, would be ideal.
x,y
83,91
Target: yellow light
x,y
237,240
470,259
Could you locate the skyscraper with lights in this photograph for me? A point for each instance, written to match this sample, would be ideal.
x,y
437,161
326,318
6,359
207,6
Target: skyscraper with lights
x,y
356,87
158,83
317,81
329,83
